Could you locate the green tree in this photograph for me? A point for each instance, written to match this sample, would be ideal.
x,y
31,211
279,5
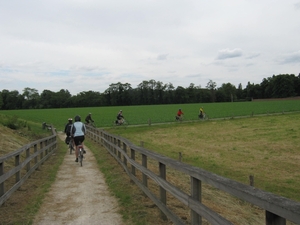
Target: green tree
x,y
180,95
239,92
1,100
31,98
47,99
169,93
211,86
228,93
253,91
11,99
283,86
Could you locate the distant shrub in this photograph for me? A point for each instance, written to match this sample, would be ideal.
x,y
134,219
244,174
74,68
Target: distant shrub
x,y
12,122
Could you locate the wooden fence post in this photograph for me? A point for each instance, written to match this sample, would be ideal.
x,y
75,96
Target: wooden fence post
x,y
197,195
273,219
27,156
162,191
17,162
144,164
133,158
1,184
42,153
46,145
251,180
125,150
115,143
35,151
119,145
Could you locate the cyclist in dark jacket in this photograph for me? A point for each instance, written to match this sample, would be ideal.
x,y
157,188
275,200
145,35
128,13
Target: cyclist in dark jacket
x,y
88,118
120,118
68,128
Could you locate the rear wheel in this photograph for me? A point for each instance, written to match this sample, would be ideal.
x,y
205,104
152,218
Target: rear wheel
x,y
71,146
80,156
80,153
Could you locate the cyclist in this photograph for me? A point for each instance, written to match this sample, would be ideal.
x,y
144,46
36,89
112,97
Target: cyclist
x,y
88,118
201,113
120,118
78,132
68,130
179,115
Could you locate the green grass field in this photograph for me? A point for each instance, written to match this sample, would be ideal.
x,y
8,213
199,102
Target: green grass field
x,y
136,115
264,146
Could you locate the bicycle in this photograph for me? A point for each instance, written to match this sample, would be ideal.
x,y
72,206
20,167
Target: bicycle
x,y
120,122
90,124
81,151
179,118
71,145
202,116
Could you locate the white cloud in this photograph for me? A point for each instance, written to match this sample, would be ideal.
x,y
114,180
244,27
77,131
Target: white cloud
x,y
229,53
87,45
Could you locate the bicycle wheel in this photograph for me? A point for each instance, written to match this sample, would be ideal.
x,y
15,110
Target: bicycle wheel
x,y
125,123
80,156
71,147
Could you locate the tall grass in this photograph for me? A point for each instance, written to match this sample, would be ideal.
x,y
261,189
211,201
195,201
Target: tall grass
x,y
266,147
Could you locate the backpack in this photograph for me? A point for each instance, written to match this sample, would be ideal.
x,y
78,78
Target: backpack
x,y
68,130
67,140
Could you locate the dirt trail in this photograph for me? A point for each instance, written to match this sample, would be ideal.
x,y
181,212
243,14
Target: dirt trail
x,y
79,195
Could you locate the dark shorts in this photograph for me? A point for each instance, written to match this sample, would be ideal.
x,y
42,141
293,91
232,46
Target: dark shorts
x,y
78,139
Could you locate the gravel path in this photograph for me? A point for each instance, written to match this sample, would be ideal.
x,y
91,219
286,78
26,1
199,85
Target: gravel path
x,y
79,195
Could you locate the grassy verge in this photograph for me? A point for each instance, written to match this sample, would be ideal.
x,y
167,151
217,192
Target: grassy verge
x,y
265,147
136,209
22,206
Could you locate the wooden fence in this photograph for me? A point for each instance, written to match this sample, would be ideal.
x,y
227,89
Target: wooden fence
x,y
277,209
25,160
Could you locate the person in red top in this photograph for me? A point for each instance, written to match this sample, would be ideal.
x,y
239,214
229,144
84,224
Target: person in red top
x,y
179,115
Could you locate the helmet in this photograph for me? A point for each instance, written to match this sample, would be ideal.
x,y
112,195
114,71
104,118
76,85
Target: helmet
x,y
77,118
90,113
70,119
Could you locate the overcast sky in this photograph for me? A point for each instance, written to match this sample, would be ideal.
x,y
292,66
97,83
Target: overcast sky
x,y
83,45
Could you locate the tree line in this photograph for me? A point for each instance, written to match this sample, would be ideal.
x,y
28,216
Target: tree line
x,y
152,92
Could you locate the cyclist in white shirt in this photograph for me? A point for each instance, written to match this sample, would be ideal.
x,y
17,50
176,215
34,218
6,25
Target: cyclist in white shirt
x,y
78,131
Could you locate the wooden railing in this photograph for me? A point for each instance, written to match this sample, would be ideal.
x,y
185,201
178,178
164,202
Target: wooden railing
x,y
25,161
278,209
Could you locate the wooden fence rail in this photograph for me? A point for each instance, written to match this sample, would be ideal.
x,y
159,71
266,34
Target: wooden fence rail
x,y
278,209
26,160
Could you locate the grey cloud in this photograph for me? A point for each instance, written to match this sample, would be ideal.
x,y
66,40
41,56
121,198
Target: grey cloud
x,y
162,56
252,56
297,5
229,53
291,58
194,75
